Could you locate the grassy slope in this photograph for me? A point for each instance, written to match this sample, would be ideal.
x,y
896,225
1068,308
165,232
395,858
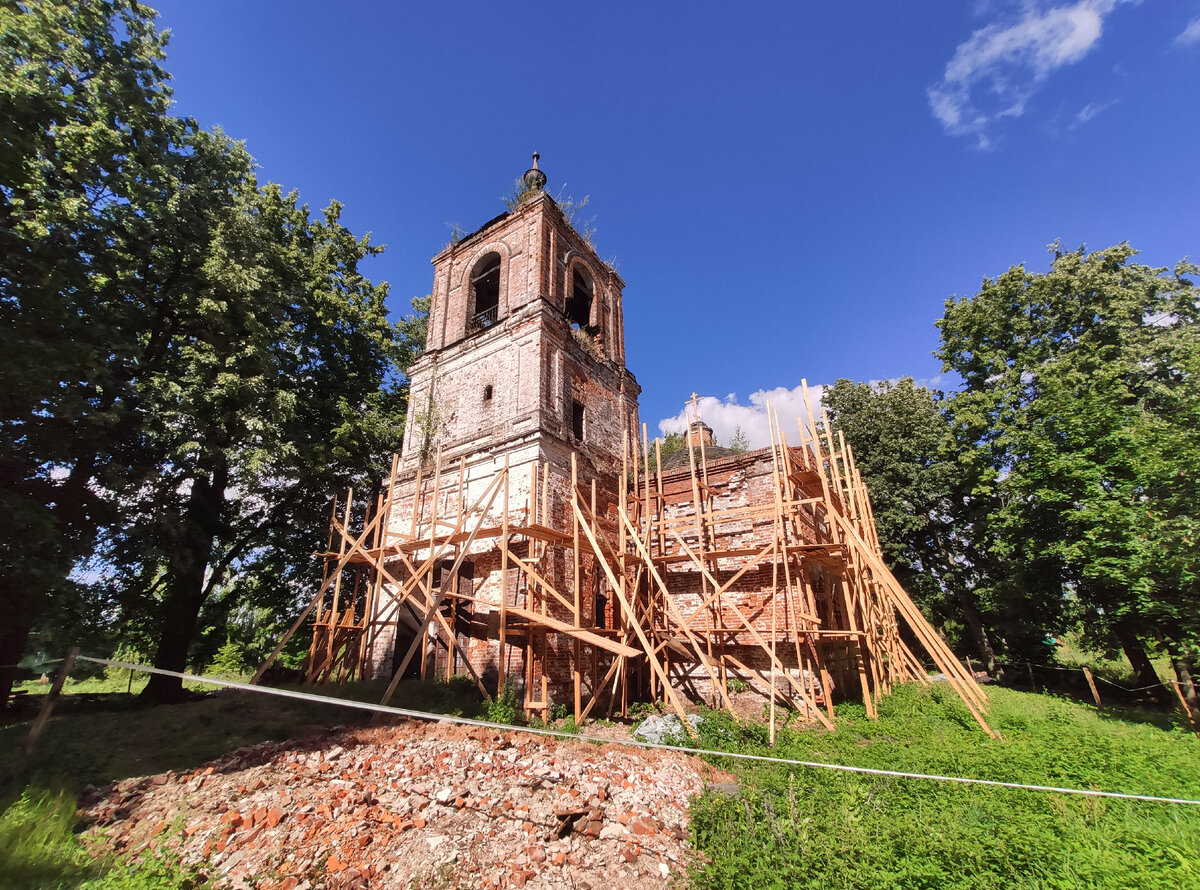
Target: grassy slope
x,y
788,828
118,736
802,828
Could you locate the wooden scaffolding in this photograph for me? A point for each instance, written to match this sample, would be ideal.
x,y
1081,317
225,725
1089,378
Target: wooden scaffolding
x,y
689,589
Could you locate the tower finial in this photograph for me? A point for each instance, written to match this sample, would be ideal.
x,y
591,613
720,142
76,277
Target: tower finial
x,y
534,179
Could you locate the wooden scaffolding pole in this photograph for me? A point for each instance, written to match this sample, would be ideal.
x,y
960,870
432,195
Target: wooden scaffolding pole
x,y
502,655
771,564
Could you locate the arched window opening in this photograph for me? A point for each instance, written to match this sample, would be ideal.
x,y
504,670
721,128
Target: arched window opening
x,y
579,304
485,293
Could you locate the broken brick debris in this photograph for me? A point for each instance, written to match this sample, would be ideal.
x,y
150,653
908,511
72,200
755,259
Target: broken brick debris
x,y
413,804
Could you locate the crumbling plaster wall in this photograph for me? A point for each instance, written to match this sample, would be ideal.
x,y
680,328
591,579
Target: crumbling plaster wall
x,y
521,375
553,509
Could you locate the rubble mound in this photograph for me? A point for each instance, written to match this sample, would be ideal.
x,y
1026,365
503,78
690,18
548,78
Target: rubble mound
x,y
416,805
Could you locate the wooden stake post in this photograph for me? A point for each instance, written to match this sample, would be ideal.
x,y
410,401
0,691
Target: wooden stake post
x,y
43,717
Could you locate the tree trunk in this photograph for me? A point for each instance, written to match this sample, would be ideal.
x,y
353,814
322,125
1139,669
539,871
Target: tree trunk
x,y
1184,663
12,646
1143,670
966,600
180,610
186,588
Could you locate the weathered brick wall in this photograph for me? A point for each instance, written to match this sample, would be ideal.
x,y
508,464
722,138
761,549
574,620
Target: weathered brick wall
x,y
517,377
478,392
511,388
737,483
556,564
609,397
475,389
538,250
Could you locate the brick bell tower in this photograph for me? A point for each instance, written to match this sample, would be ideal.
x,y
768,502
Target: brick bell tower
x,y
526,345
524,368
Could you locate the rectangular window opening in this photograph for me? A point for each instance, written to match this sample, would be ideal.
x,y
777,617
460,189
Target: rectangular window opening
x,y
599,603
577,421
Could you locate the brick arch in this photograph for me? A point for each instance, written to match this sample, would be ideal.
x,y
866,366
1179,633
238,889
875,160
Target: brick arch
x,y
600,297
464,281
464,275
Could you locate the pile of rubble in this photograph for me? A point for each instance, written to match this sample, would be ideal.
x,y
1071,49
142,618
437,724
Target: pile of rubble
x,y
417,805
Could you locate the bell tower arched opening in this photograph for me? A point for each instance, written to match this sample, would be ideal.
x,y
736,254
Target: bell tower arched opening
x,y
485,293
579,303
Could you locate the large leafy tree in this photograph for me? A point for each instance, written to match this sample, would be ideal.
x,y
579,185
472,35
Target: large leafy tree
x,y
191,360
84,139
274,351
923,503
1082,392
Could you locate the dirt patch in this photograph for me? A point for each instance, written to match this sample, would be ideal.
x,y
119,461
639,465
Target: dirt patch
x,y
416,805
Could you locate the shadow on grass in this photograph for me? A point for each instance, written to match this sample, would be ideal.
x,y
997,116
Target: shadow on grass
x,y
1137,712
96,739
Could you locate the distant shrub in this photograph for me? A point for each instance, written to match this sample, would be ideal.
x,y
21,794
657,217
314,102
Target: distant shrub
x,y
230,660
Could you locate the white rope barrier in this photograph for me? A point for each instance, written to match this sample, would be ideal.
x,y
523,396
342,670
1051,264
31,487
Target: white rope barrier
x,y
1164,684
503,727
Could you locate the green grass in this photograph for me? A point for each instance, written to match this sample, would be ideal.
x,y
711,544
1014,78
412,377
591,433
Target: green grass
x,y
1071,652
788,827
806,828
102,685
39,849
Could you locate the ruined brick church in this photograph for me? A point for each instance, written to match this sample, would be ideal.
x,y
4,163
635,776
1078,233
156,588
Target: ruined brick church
x,y
530,535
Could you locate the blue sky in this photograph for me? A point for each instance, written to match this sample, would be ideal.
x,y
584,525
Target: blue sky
x,y
789,190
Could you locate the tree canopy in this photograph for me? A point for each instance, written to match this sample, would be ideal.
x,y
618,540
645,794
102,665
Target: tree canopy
x,y
1081,402
192,360
86,142
907,455
1056,489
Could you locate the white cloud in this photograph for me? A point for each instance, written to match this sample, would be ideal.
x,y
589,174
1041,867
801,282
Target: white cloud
x,y
725,416
999,68
1090,111
1191,34
936,382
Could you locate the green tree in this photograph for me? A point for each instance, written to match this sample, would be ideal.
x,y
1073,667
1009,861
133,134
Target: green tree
x,y
83,102
191,361
1082,393
271,391
907,455
739,443
672,443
